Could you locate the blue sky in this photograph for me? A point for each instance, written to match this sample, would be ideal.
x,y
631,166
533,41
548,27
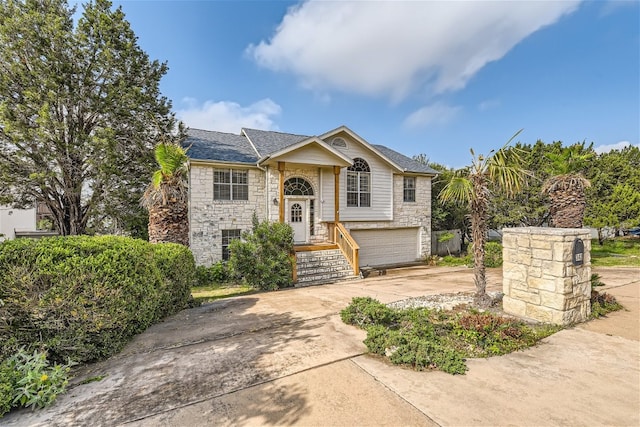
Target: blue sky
x,y
420,77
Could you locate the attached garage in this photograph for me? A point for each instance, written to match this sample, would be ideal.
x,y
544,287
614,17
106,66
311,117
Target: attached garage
x,y
387,246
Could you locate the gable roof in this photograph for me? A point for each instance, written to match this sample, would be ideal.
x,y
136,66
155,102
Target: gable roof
x,y
268,142
406,163
254,145
336,157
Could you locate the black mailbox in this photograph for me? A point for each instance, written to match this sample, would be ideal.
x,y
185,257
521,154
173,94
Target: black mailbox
x,y
578,252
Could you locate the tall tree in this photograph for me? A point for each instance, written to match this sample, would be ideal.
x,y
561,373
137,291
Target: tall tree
x,y
473,186
613,200
166,196
529,207
80,111
566,185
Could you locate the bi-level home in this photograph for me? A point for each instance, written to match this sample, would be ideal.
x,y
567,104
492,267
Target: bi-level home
x,y
367,203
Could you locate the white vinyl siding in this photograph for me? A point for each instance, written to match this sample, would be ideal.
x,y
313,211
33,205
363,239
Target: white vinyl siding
x,y
387,246
311,154
381,188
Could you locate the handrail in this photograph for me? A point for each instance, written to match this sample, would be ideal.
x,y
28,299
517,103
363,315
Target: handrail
x,y
348,246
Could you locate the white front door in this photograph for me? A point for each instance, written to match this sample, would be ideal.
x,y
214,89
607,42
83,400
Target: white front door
x,y
297,218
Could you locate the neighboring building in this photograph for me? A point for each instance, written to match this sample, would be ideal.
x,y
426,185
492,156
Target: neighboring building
x,y
14,221
382,198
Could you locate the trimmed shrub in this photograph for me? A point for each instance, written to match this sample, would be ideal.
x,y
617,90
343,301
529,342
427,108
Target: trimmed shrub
x,y
263,257
493,254
218,273
83,298
8,381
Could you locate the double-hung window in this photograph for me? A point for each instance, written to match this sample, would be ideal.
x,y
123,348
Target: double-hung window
x,y
359,184
227,237
230,184
409,189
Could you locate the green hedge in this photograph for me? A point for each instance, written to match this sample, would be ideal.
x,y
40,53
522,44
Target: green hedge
x,y
84,297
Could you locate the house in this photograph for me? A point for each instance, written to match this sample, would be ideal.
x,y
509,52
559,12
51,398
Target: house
x,y
24,222
335,189
14,221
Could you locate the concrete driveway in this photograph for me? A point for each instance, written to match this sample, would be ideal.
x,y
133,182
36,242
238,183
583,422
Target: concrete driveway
x,y
285,358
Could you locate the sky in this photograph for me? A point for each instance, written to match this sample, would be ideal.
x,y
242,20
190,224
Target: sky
x,y
432,77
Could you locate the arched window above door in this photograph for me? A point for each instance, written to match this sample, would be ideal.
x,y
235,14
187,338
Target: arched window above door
x,y
297,187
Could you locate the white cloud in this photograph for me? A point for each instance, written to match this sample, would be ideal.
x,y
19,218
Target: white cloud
x,y
609,147
227,116
489,104
437,114
393,48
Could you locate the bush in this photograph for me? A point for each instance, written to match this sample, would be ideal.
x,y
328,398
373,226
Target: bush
x,y
438,339
366,311
36,383
218,273
264,256
602,303
493,254
8,381
83,297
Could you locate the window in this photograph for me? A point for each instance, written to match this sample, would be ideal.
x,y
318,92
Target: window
x,y
230,184
339,142
311,215
227,237
297,187
358,184
409,189
296,212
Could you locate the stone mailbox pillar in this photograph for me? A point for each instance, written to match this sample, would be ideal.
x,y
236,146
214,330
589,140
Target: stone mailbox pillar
x,y
547,274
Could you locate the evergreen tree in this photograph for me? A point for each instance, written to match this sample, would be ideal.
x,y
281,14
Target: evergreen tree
x,y
80,113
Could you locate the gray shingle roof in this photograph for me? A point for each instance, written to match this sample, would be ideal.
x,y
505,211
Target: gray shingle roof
x,y
212,145
408,164
268,142
229,147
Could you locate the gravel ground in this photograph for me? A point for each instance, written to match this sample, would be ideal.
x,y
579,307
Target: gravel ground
x,y
444,301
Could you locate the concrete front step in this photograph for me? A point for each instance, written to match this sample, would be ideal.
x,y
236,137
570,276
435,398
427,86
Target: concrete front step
x,y
322,266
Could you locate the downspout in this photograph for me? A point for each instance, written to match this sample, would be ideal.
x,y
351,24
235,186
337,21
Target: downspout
x,y
266,191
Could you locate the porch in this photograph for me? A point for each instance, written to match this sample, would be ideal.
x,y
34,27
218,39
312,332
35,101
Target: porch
x,y
326,262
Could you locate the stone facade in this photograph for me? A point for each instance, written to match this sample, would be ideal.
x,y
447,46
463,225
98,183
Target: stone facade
x,y
540,281
209,217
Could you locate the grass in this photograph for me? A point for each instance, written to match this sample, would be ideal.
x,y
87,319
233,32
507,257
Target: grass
x,y
616,252
435,339
218,291
624,251
455,261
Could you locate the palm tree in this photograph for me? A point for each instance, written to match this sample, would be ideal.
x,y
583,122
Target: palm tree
x,y
566,186
166,196
472,186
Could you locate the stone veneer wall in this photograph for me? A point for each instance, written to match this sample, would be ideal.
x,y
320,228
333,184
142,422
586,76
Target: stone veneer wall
x,y
209,217
539,280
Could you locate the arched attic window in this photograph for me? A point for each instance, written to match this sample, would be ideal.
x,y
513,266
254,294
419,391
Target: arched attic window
x,y
339,142
359,184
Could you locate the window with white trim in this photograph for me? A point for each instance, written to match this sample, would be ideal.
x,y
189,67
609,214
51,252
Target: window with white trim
x,y
409,189
228,236
230,184
359,184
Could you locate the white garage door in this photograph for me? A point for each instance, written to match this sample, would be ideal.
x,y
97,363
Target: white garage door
x,y
380,247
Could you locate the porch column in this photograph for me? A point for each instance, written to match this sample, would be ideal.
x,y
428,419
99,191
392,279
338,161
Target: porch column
x,y
336,193
281,192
